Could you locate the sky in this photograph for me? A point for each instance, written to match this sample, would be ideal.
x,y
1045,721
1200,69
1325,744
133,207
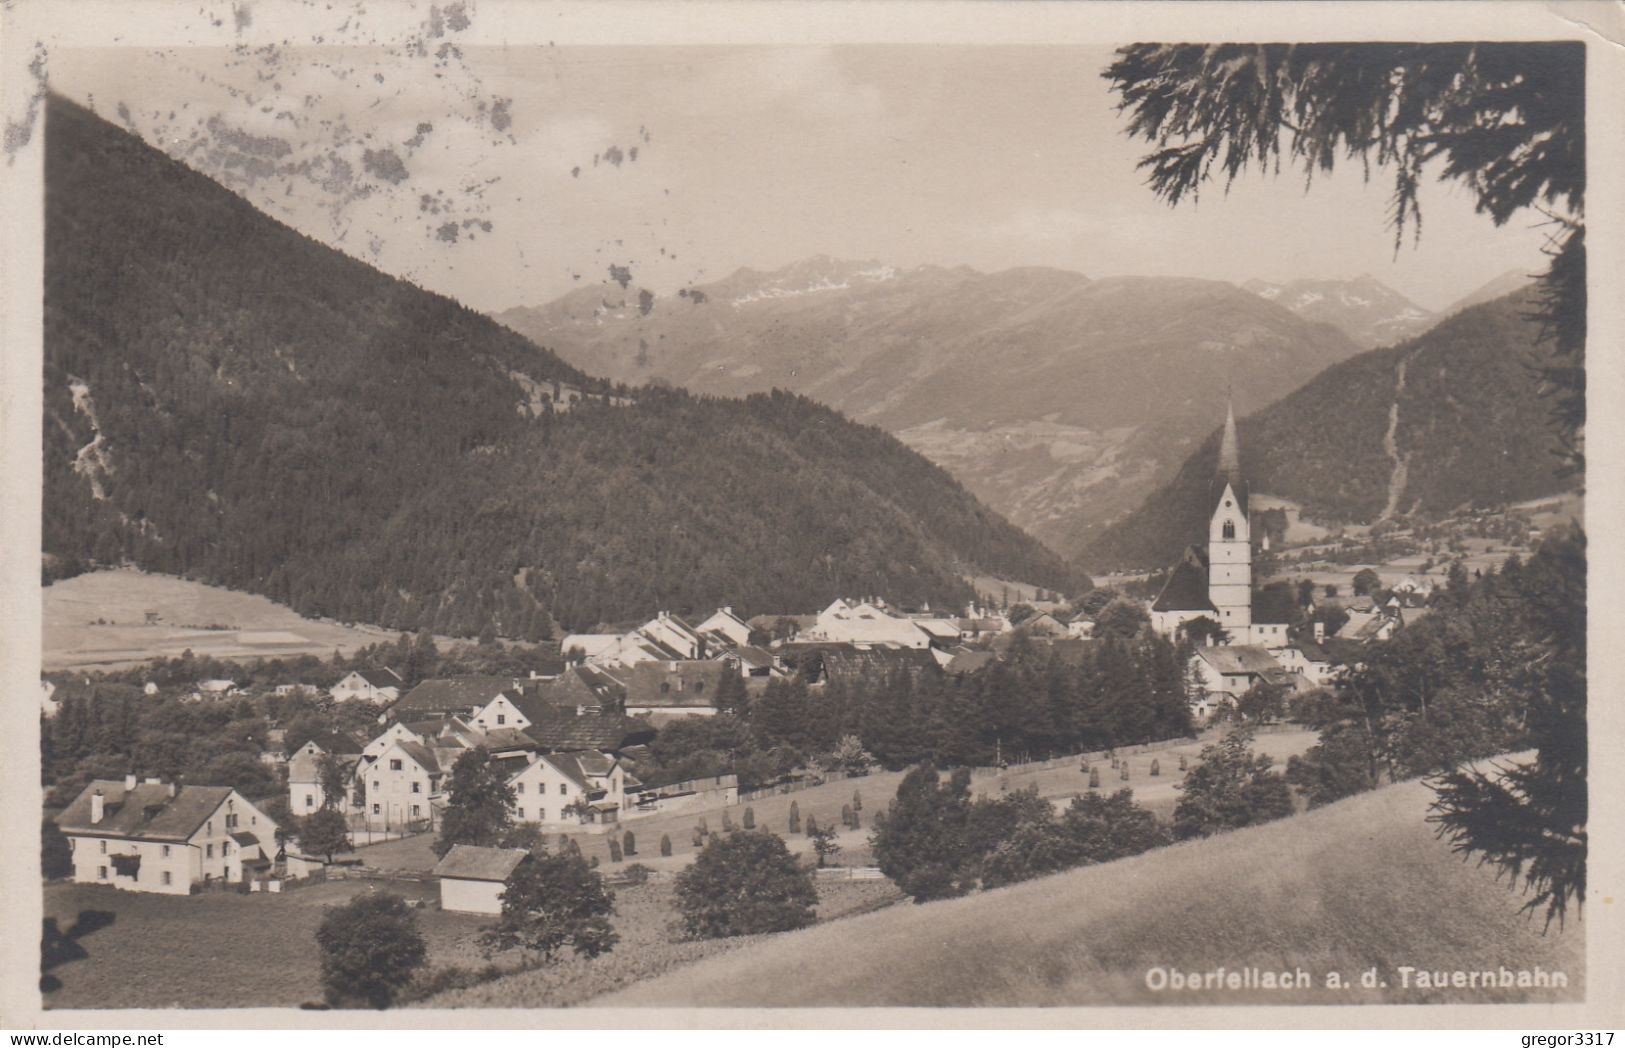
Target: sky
x,y
506,176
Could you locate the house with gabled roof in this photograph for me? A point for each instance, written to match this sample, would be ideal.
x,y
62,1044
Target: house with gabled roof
x,y
151,836
473,878
585,787
306,794
399,787
723,621
380,686
452,696
675,688
579,689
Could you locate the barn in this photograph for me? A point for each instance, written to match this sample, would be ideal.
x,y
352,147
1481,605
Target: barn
x,y
473,878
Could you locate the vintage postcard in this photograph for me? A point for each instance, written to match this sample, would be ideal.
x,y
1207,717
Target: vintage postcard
x,y
1052,515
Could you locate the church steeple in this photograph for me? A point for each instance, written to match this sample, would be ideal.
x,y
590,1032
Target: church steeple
x,y
1230,558
1229,445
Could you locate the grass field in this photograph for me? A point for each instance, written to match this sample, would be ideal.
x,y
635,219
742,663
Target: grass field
x,y
220,949
121,599
1358,885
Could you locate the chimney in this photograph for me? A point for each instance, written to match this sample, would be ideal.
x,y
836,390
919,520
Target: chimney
x,y
96,807
130,782
1320,631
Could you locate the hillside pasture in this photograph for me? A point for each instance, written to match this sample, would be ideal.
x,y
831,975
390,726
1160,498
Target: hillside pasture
x,y
99,620
219,949
1357,885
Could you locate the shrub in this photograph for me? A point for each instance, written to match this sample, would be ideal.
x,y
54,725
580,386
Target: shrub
x,y
1156,768
795,817
920,839
812,826
744,884
1230,788
846,816
56,858
749,819
699,839
1182,763
636,873
665,845
1125,771
614,850
857,800
629,843
727,823
370,949
1094,778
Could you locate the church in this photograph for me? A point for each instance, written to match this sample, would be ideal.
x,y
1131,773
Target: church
x,y
1216,581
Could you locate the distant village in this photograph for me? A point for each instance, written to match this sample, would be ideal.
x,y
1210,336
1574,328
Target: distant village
x,y
574,745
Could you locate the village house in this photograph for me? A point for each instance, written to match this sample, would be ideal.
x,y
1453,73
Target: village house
x,y
473,878
579,689
730,626
705,792
377,686
152,836
452,696
866,623
399,787
675,688
305,791
558,790
1080,627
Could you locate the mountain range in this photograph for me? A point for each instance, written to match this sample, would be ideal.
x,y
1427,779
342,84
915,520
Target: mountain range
x,y
228,400
1369,311
1060,400
1451,418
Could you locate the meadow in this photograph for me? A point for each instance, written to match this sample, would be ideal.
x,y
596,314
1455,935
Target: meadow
x,y
99,621
1362,884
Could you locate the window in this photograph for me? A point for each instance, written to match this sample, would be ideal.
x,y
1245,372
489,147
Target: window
x,y
310,800
521,812
231,822
417,787
1229,529
395,764
519,787
101,873
208,851
164,876
208,828
502,718
104,847
164,851
563,790
375,784
415,811
541,814
375,809
225,848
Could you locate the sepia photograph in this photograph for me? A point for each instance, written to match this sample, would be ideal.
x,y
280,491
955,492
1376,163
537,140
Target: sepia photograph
x,y
1078,508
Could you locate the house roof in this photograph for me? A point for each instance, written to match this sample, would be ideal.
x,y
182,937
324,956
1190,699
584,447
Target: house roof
x,y
447,694
846,663
754,656
500,739
1238,658
561,732
245,839
1186,588
968,661
690,682
471,862
146,811
576,686
334,742
381,677
1273,606
424,755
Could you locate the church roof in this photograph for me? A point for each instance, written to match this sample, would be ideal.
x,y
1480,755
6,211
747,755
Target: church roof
x,y
1229,471
1186,588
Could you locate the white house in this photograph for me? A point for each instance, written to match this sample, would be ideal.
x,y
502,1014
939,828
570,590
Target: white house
x,y
305,791
472,878
396,731
731,626
379,687
865,623
152,836
592,785
398,787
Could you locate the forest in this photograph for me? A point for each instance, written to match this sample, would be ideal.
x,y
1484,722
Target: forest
x,y
230,401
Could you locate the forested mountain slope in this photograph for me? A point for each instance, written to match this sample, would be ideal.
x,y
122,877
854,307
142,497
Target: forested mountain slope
x,y
229,400
1060,400
1450,418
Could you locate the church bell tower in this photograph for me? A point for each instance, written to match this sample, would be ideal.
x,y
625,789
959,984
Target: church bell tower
x,y
1229,542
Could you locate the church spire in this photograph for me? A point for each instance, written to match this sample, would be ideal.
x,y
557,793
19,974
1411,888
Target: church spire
x,y
1229,447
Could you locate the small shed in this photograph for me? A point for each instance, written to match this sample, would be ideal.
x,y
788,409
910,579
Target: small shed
x,y
473,878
